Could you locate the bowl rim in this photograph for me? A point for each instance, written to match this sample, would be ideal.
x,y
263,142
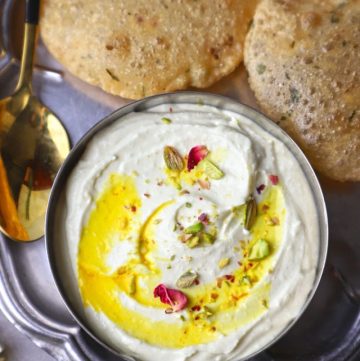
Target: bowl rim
x,y
199,98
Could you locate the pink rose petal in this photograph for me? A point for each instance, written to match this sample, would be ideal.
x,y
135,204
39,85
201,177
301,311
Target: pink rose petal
x,y
203,218
196,155
274,179
176,299
260,188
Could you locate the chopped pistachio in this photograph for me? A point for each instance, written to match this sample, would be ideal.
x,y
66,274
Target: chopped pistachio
x,y
187,280
182,318
259,250
224,262
207,238
246,280
173,159
172,257
166,120
211,170
240,212
195,228
168,266
207,311
188,205
193,242
212,231
251,212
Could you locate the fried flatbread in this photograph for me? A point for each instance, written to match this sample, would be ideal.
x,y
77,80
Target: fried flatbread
x,y
303,59
139,48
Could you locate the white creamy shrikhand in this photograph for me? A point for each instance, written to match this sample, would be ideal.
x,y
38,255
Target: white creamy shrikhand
x,y
134,224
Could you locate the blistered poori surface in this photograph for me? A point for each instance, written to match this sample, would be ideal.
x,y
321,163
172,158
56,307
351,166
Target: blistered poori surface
x,y
139,48
303,59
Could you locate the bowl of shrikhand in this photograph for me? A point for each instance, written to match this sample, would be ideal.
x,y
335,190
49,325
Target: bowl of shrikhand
x,y
186,226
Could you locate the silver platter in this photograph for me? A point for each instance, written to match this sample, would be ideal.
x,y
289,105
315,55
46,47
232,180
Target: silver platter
x,y
329,329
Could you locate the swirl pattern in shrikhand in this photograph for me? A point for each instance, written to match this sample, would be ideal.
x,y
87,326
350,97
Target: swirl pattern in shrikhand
x,y
192,232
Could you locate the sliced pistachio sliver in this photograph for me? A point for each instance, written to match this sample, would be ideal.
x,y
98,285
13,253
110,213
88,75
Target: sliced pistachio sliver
x,y
224,262
259,250
246,280
193,241
173,159
195,228
166,120
207,238
240,212
251,212
187,280
211,170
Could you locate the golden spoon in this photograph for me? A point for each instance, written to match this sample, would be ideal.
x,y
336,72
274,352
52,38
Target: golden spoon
x,y
33,145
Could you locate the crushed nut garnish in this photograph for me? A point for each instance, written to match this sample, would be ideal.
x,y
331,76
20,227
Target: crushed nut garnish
x,y
204,184
224,262
251,212
259,250
166,120
173,159
195,228
188,279
211,170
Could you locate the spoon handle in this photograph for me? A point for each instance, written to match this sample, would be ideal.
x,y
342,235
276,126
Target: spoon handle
x,y
32,11
27,58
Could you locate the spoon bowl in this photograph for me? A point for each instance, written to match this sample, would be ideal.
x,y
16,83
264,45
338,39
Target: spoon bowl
x,y
33,145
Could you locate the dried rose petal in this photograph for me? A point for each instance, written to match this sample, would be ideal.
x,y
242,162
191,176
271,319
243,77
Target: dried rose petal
x,y
203,218
260,188
230,278
196,155
176,299
274,179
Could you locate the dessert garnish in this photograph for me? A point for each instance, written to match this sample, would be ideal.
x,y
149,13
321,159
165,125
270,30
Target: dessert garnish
x,y
188,279
198,234
259,250
224,262
196,155
175,298
251,212
166,120
204,184
274,179
260,188
211,170
173,159
203,218
195,228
